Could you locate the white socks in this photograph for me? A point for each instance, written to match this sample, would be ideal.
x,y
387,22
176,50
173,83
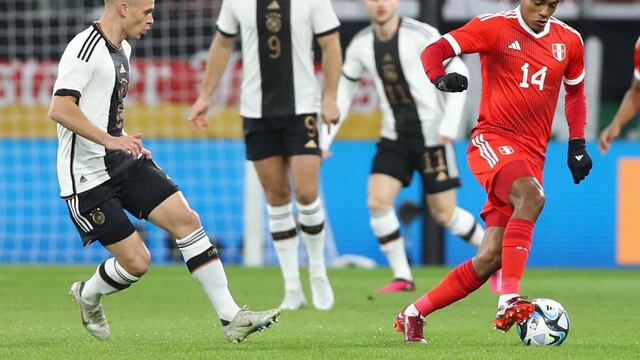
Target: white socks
x,y
109,277
204,264
464,225
311,218
286,241
386,228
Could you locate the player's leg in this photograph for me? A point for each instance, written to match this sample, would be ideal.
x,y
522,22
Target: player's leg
x,y
265,148
456,285
149,194
517,184
460,222
273,175
105,220
301,148
391,169
440,176
311,216
382,192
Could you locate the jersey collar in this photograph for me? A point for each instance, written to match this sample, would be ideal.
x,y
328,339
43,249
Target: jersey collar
x,y
526,27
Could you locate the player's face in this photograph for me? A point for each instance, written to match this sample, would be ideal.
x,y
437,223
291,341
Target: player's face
x,y
536,13
139,18
381,11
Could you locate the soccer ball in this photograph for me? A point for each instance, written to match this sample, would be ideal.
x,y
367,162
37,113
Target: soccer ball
x,y
549,324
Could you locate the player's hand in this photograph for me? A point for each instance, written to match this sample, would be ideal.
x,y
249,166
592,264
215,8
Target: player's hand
x,y
147,153
452,82
578,160
198,114
130,145
330,112
444,140
607,136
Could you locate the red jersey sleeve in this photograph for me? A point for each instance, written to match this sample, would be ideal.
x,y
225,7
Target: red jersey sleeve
x,y
476,36
636,70
574,73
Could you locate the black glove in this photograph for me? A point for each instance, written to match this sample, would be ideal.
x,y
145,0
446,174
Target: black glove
x,y
578,160
452,82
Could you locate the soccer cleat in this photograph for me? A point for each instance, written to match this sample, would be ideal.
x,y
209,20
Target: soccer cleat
x,y
516,310
92,316
398,285
495,282
247,322
412,327
293,300
321,293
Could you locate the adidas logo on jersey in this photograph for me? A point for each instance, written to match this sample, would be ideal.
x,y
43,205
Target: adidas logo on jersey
x,y
311,144
274,5
122,69
83,179
579,157
515,46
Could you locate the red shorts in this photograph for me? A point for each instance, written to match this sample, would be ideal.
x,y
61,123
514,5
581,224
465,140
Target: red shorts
x,y
497,162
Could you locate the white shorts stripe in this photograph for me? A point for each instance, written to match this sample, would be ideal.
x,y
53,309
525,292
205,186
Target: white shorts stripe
x,y
452,164
488,146
82,222
475,143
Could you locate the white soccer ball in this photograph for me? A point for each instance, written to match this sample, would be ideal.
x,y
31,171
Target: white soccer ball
x,y
549,324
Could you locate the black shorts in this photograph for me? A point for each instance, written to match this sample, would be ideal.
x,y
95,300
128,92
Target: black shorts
x,y
436,164
286,136
98,214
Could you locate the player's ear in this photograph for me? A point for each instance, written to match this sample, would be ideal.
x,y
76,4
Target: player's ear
x,y
122,8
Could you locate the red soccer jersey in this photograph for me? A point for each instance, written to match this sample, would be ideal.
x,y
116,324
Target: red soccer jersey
x,y
521,74
636,70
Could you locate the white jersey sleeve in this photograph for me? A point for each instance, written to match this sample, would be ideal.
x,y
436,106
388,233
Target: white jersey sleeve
x,y
454,107
228,23
74,70
323,17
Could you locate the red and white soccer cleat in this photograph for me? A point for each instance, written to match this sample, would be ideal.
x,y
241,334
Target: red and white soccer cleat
x,y
412,327
398,285
495,282
515,310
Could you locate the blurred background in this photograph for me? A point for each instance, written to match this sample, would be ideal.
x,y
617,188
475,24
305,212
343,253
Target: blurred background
x,y
590,225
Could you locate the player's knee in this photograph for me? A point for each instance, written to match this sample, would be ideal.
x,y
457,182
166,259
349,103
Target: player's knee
x,y
534,201
441,216
137,264
191,219
278,197
306,195
377,203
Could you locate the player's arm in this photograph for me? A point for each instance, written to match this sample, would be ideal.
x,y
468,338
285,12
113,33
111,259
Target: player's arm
x,y
331,65
454,106
352,71
575,110
228,26
325,25
219,53
476,36
628,109
65,111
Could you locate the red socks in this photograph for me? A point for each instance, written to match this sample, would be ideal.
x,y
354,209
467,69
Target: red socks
x,y
515,251
456,285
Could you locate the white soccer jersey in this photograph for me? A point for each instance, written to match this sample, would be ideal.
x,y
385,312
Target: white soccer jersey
x,y
97,73
277,56
413,110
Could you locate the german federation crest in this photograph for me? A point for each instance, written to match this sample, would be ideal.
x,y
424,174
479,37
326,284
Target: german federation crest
x,y
559,51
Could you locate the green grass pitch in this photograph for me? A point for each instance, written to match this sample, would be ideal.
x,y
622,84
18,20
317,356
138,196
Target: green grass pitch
x,y
167,316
